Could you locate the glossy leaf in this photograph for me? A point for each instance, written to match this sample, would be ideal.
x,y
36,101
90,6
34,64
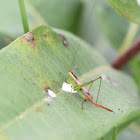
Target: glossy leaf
x,y
33,62
128,8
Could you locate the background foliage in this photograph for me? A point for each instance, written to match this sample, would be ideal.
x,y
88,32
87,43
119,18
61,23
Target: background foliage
x,y
94,21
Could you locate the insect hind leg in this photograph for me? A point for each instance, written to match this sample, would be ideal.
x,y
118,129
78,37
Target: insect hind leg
x,y
99,86
88,83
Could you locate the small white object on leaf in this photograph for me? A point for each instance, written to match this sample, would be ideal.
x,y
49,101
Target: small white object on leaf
x,y
51,93
21,117
68,88
47,99
138,1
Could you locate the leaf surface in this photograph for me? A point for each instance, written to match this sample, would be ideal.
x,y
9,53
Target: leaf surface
x,y
33,62
128,8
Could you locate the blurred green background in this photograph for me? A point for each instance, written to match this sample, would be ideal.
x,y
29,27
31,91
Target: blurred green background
x,y
93,20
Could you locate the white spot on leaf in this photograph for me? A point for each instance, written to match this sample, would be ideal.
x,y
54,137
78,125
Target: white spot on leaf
x,y
51,93
47,99
21,117
68,88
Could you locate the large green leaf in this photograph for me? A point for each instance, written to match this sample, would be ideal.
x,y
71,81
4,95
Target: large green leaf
x,y
128,8
37,59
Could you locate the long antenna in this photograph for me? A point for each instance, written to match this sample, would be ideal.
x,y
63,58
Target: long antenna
x,y
80,38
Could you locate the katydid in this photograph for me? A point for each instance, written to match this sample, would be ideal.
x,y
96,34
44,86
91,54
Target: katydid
x,y
81,89
78,86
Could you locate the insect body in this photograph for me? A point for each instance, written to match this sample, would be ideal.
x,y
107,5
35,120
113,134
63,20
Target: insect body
x,y
82,90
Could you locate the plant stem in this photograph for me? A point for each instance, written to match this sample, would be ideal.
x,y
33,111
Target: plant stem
x,y
127,55
23,16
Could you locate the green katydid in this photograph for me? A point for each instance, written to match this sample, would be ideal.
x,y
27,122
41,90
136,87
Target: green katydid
x,y
75,85
80,88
